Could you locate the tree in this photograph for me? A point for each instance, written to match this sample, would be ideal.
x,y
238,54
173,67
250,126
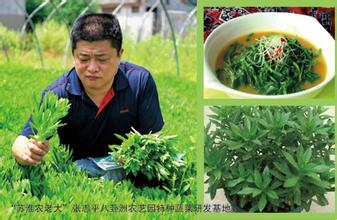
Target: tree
x,y
67,13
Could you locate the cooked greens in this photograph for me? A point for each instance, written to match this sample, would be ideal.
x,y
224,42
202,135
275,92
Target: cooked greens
x,y
273,65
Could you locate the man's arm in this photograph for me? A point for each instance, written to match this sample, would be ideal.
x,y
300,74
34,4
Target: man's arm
x,y
150,118
29,152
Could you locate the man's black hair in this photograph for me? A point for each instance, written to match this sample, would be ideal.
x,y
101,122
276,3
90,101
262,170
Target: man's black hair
x,y
96,27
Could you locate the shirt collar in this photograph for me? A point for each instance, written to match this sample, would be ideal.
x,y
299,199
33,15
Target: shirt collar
x,y
74,85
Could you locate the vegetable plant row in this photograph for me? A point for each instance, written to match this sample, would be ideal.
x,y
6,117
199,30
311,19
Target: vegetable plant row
x,y
151,155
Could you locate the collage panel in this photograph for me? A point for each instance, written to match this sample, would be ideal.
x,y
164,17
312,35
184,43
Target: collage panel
x,y
269,158
269,52
98,104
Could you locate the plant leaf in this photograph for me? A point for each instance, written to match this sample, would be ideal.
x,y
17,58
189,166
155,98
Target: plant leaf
x,y
262,202
235,182
283,167
256,141
291,182
120,137
321,169
272,194
290,159
246,191
307,155
322,184
322,200
233,145
257,179
278,175
256,192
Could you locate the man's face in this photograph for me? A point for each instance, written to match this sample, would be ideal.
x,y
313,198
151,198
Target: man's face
x,y
96,64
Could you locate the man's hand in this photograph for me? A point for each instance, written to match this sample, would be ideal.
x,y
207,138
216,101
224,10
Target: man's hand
x,y
29,152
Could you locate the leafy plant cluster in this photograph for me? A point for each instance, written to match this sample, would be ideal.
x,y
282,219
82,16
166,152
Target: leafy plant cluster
x,y
273,65
270,159
154,156
46,118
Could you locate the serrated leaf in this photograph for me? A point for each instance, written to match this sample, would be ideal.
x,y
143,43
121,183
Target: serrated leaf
x,y
235,182
291,182
266,182
233,145
314,176
319,183
321,169
241,170
186,188
212,191
247,123
250,179
290,159
299,156
272,194
257,179
262,202
262,133
283,168
256,141
256,192
266,172
322,200
276,184
278,175
120,137
236,130
246,191
307,155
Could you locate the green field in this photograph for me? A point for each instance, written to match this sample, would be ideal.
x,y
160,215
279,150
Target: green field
x,y
74,195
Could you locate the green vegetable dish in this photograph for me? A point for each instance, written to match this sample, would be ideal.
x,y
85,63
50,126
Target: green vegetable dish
x,y
270,64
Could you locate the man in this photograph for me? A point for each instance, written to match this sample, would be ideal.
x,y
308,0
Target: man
x,y
107,96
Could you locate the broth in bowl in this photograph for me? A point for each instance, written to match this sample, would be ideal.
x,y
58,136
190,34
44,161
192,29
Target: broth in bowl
x,y
270,63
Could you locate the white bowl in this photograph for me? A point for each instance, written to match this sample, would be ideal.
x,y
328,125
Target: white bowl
x,y
305,26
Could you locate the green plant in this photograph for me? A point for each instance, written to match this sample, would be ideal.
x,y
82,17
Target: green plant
x,y
67,13
61,159
52,41
181,182
270,158
151,155
272,65
9,39
46,118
